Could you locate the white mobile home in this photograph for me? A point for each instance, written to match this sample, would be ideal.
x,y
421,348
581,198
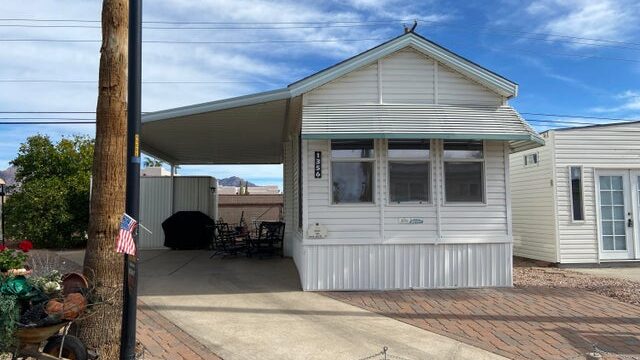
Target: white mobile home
x,y
577,199
395,165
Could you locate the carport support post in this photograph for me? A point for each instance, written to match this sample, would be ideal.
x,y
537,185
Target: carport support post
x,y
134,110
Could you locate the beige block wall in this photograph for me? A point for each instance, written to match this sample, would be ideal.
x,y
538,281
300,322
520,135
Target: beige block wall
x,y
258,207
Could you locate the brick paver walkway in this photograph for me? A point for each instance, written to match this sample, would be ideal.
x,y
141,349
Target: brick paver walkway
x,y
164,340
521,323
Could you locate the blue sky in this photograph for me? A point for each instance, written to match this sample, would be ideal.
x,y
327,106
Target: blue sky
x,y
569,56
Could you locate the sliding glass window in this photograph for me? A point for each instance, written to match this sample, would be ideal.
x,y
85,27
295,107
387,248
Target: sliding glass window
x,y
409,175
464,171
352,171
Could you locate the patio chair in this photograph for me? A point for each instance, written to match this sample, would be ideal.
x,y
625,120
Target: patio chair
x,y
225,241
269,240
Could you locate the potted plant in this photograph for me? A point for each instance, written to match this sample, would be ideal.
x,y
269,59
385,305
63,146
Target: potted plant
x,y
12,261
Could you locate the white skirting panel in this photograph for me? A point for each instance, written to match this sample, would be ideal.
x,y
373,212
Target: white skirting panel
x,y
410,266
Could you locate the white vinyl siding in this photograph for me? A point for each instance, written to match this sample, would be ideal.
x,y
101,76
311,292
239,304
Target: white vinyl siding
x,y
606,147
357,87
361,222
404,77
455,89
532,199
407,77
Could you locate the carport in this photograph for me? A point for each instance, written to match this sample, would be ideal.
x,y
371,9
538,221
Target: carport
x,y
243,130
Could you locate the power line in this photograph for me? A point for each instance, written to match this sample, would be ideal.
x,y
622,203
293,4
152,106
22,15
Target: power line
x,y
144,82
310,24
235,42
577,116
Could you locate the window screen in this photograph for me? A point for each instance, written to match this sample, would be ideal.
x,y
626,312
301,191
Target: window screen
x,y
408,170
464,171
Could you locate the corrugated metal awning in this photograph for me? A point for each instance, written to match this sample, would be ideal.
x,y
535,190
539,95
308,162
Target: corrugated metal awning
x,y
419,121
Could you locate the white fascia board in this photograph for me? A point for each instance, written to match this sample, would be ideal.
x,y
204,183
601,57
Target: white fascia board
x,y
500,85
252,99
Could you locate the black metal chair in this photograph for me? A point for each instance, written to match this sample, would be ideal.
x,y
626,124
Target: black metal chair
x,y
225,241
269,240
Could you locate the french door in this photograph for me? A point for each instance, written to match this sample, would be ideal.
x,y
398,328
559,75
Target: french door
x,y
618,193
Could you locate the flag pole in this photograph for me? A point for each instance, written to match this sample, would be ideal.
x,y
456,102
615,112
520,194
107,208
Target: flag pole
x,y
134,110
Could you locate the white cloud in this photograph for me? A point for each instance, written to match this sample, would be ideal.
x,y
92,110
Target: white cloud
x,y
627,104
593,19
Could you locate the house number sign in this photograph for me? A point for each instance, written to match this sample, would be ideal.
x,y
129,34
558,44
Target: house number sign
x,y
317,165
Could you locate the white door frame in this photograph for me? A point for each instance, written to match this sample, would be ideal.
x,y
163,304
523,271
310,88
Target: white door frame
x,y
635,209
630,232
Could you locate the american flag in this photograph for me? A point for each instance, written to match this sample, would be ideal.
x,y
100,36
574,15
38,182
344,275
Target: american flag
x,y
125,243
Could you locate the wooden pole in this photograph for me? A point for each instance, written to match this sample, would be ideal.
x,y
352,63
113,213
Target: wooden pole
x,y
102,265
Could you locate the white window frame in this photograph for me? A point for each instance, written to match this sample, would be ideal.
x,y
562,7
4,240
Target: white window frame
x,y
537,157
483,176
354,159
570,189
429,163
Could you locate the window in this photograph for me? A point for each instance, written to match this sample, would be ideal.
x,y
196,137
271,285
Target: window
x,y
531,159
408,170
577,210
464,171
352,171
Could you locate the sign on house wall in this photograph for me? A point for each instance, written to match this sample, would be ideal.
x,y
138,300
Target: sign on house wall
x,y
317,168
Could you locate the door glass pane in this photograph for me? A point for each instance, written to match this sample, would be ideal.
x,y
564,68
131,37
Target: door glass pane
x,y
617,197
605,182
618,212
607,228
605,212
605,197
620,227
621,243
607,242
616,182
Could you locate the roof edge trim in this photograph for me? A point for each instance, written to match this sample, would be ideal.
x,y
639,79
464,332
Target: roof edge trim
x,y
486,77
446,136
251,99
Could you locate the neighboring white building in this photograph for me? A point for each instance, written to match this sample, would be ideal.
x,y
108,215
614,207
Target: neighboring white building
x,y
396,165
253,190
154,171
577,199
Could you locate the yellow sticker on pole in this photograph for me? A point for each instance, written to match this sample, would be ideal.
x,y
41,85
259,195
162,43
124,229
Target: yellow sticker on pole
x,y
136,146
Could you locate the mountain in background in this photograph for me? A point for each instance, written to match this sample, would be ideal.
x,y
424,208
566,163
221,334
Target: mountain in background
x,y
234,181
8,175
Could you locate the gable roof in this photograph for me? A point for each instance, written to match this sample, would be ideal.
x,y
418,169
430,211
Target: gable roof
x,y
488,78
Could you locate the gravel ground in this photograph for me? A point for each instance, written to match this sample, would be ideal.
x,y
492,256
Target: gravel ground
x,y
527,273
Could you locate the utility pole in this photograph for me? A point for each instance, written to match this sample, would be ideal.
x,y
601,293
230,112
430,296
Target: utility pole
x,y
130,283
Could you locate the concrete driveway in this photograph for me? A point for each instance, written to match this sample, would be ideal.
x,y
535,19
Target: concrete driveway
x,y
254,309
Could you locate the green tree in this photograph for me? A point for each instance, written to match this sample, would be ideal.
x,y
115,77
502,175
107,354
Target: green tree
x,y
50,203
149,162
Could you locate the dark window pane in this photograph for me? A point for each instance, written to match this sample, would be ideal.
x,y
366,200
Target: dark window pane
x,y
352,148
463,181
576,192
463,150
352,182
409,181
416,149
